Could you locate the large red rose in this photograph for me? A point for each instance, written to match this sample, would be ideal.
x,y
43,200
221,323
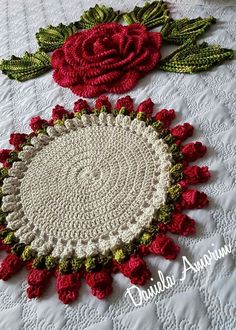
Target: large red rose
x,y
107,58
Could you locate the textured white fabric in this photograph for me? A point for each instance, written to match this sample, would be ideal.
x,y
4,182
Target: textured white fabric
x,y
206,300
88,187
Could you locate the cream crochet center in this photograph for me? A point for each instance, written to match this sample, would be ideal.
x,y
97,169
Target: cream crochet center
x,y
88,186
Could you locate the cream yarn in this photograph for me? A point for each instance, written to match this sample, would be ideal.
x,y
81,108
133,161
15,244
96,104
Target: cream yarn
x,y
87,186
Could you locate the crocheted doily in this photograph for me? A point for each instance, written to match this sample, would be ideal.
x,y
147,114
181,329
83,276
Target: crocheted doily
x,y
90,192
88,186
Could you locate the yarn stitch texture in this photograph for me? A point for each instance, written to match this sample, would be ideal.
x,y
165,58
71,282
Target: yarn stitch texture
x,y
96,54
92,192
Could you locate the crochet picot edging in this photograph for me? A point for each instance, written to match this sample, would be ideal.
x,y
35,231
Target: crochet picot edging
x,y
168,172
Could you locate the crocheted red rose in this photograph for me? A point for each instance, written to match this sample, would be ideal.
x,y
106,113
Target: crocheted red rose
x,y
100,283
107,58
164,246
136,269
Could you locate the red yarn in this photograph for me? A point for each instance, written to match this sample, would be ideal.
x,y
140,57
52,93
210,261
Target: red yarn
x,y
146,107
68,286
106,58
195,174
125,102
136,269
10,266
164,246
36,123
181,224
37,279
194,150
166,117
100,283
4,157
59,113
81,105
17,139
182,132
102,101
143,250
193,199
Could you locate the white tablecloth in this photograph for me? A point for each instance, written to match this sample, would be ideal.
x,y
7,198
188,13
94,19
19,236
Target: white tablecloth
x,y
205,300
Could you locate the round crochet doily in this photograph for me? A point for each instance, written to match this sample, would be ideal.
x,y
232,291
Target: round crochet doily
x,y
92,192
91,185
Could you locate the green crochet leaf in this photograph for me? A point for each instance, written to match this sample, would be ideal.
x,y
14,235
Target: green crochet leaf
x,y
26,67
151,14
178,31
53,37
98,14
191,58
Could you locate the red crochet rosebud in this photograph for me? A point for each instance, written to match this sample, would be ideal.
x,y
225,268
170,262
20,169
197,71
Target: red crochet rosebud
x,y
36,123
164,246
100,283
68,287
103,101
146,107
182,132
195,174
17,139
5,156
10,266
194,150
193,199
59,113
125,102
181,224
37,280
81,105
136,269
165,116
143,250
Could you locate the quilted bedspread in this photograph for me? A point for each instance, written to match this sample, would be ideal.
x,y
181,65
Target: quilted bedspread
x,y
206,299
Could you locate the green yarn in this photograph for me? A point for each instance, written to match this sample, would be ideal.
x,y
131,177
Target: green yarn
x,y
98,14
52,37
4,233
65,266
50,262
2,217
91,263
151,14
76,264
180,30
164,213
169,139
10,239
145,238
18,249
28,254
120,255
157,125
80,113
3,174
59,122
26,67
176,153
141,116
174,192
176,172
39,262
192,58
13,157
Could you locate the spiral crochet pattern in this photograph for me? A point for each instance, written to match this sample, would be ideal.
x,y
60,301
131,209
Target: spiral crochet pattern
x,y
94,184
90,193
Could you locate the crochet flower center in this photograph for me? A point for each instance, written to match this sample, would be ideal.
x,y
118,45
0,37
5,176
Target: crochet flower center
x,y
90,185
